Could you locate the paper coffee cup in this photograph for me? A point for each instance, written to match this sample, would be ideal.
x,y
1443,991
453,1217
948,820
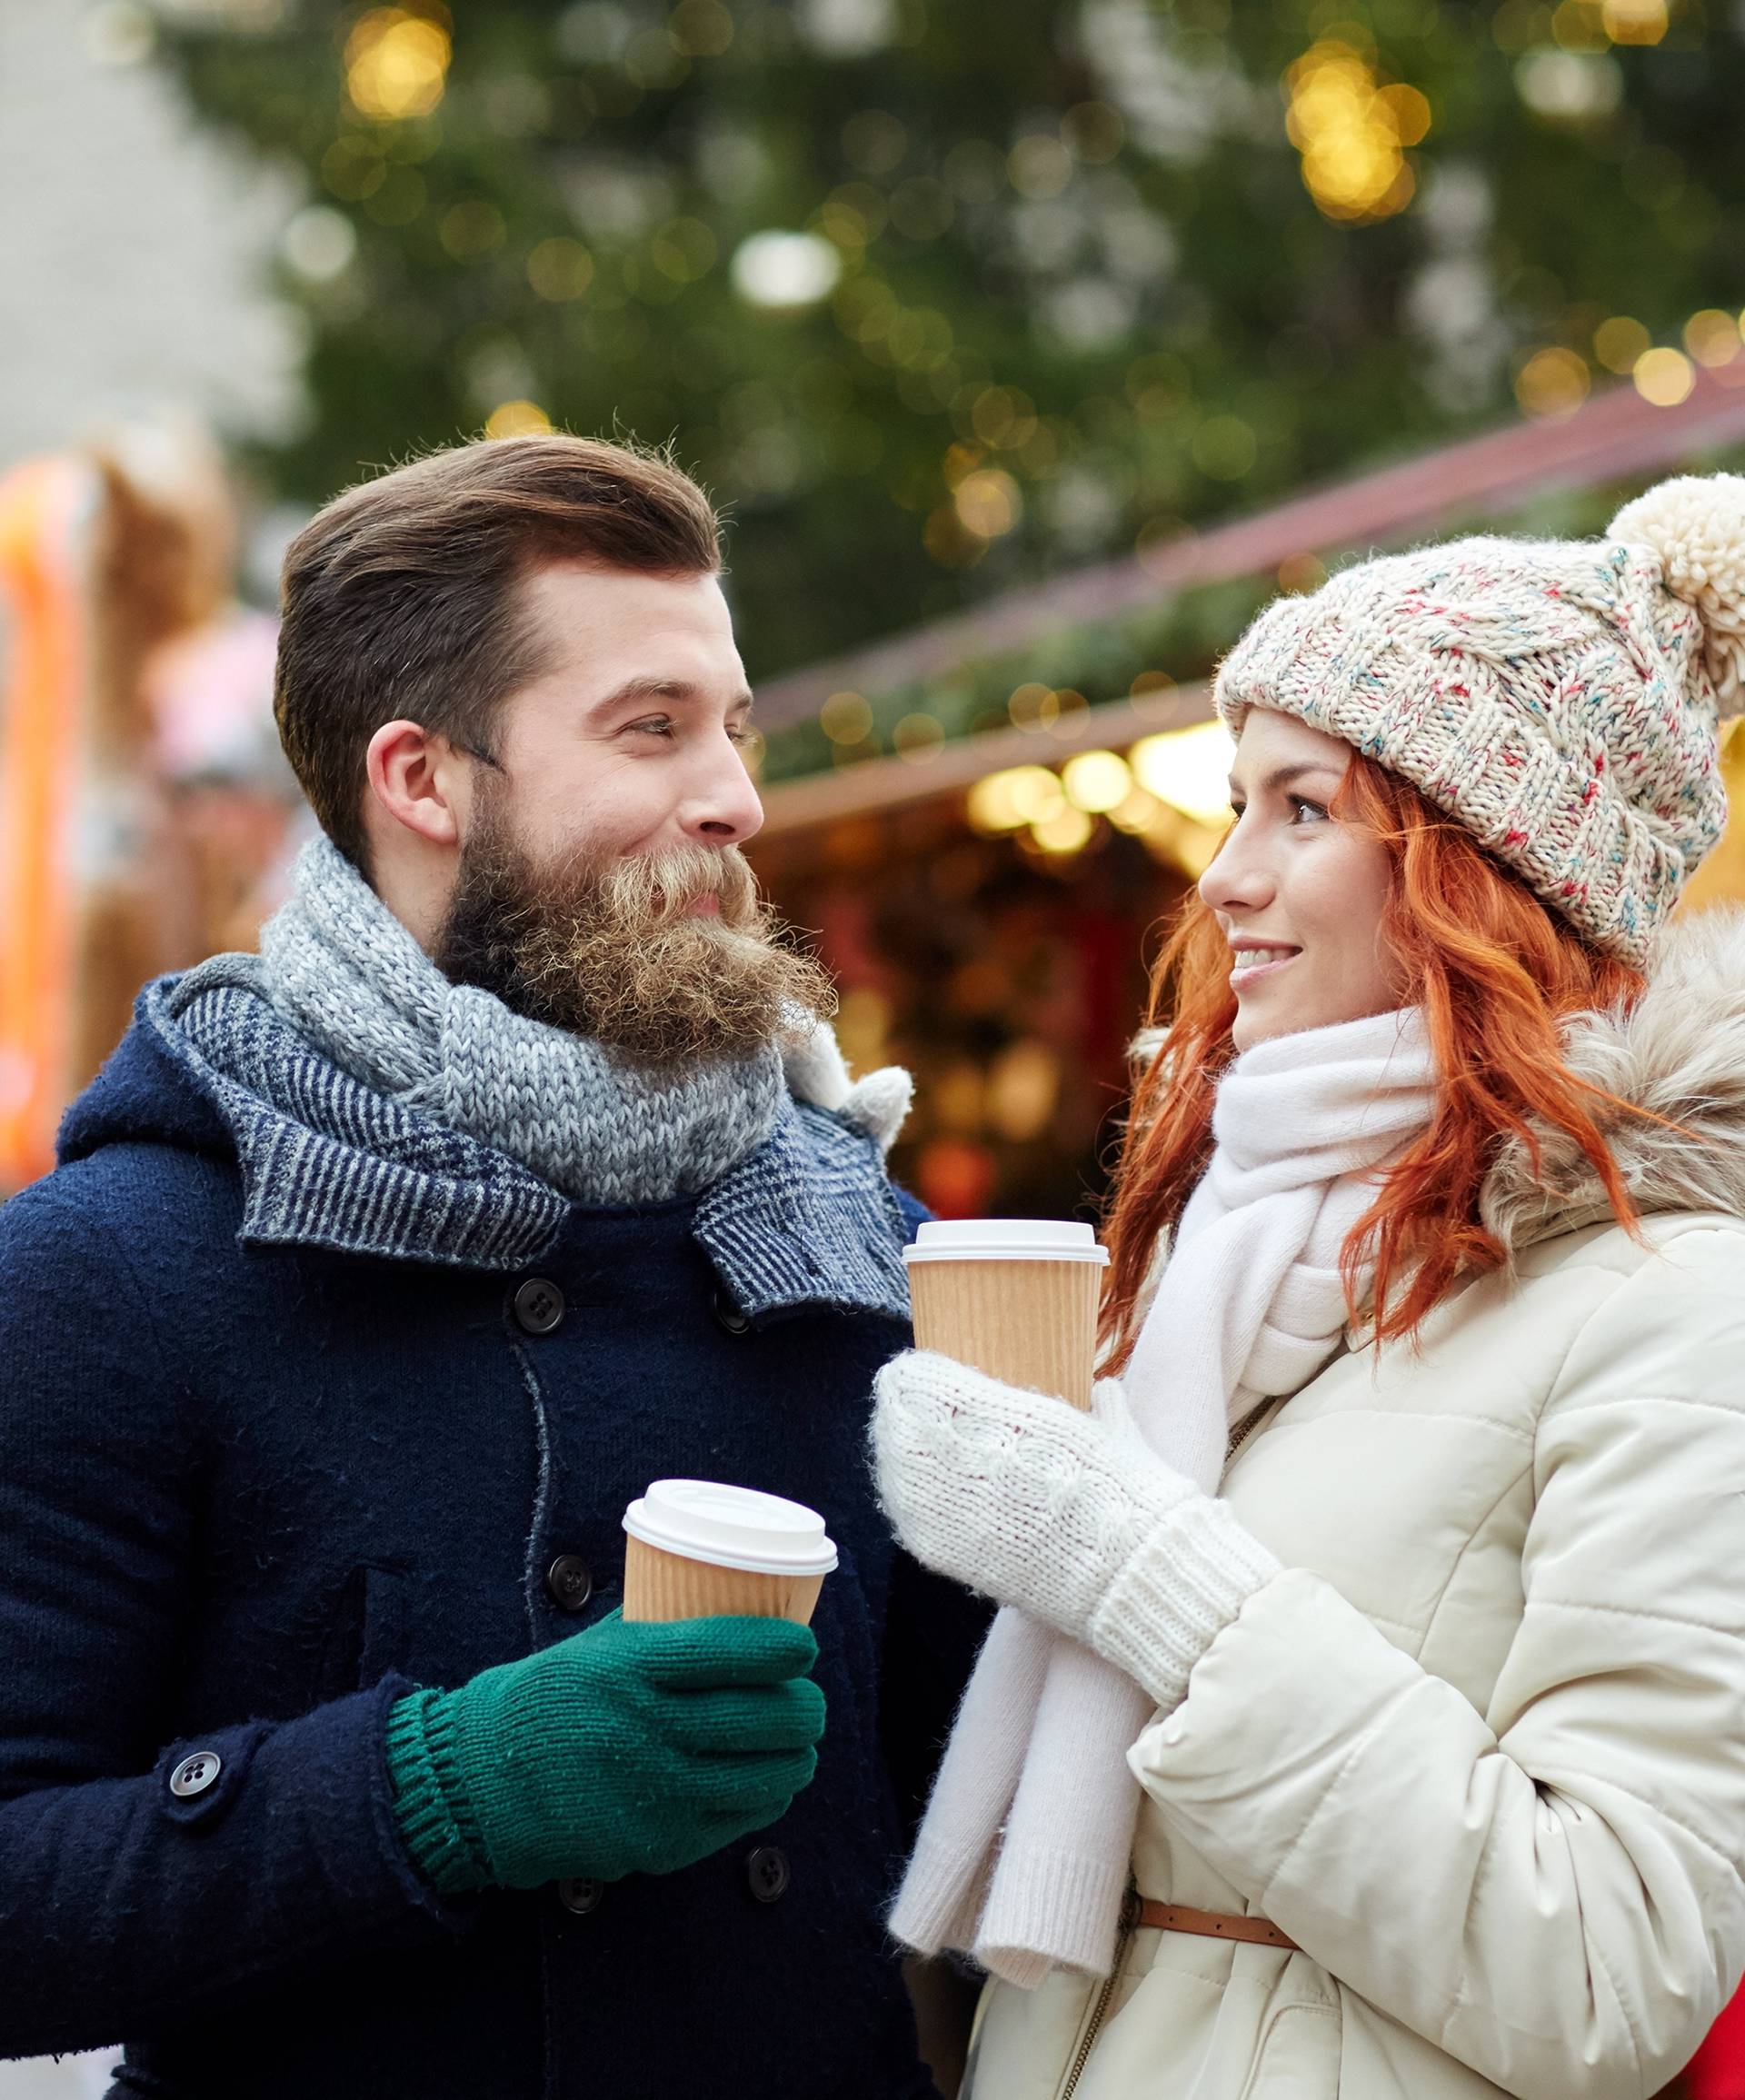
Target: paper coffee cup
x,y
696,1548
1015,1296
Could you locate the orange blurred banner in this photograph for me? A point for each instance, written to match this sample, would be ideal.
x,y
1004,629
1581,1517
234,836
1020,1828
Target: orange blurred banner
x,y
42,506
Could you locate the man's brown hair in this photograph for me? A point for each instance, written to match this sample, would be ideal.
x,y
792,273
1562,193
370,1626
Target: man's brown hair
x,y
399,598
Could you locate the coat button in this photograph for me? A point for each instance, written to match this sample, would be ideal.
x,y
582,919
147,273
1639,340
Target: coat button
x,y
728,1315
570,1580
194,1775
579,1897
767,1874
538,1306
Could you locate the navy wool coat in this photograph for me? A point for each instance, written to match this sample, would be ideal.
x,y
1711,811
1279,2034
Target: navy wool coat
x,y
305,1401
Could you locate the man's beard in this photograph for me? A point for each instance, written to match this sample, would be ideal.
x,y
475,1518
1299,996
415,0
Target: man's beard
x,y
609,948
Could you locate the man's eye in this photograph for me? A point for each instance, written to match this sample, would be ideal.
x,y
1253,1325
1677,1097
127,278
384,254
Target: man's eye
x,y
747,738
653,725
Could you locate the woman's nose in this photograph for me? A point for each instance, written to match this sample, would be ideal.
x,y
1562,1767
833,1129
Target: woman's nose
x,y
1236,879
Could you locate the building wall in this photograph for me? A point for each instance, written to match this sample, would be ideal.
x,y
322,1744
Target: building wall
x,y
134,251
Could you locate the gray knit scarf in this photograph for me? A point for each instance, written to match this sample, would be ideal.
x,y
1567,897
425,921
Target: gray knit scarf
x,y
346,973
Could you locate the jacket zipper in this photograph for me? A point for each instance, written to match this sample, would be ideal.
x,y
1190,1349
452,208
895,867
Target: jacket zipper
x,y
1099,2012
1245,1429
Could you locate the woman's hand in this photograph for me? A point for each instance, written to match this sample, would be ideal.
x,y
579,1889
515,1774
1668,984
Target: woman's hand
x,y
1016,1494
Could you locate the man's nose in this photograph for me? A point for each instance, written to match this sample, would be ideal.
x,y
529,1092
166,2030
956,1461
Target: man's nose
x,y
723,807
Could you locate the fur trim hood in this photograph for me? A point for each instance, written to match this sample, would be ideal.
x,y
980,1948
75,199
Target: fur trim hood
x,y
1680,1053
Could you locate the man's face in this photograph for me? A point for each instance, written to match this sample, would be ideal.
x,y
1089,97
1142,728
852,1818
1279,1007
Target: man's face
x,y
632,738
599,886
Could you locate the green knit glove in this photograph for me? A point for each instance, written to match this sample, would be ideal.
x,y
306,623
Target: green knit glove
x,y
628,1748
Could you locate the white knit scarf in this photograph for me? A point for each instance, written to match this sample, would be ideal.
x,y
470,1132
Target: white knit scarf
x,y
1023,1855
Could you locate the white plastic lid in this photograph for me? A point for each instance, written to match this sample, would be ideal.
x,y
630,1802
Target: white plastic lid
x,y
730,1527
1006,1239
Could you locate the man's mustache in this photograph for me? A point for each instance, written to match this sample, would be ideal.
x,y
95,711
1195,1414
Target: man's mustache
x,y
664,888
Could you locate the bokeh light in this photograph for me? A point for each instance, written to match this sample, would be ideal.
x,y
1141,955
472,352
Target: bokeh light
x,y
1018,795
1553,381
1620,342
785,270
1352,132
560,268
918,737
517,419
1066,831
396,64
1188,769
1634,20
989,502
846,718
318,243
1664,377
1712,337
1097,780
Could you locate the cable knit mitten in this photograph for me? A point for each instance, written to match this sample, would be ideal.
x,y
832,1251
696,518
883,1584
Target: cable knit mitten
x,y
1070,1517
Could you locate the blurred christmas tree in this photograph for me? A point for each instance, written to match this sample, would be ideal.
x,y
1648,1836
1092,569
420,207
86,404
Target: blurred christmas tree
x,y
939,295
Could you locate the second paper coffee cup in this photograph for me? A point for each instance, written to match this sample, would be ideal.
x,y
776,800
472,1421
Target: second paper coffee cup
x,y
1015,1296
696,1548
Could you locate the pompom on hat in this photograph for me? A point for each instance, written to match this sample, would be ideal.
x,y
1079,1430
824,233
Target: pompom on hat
x,y
1559,699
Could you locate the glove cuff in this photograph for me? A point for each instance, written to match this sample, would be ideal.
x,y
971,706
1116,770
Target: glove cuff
x,y
1187,1579
431,1801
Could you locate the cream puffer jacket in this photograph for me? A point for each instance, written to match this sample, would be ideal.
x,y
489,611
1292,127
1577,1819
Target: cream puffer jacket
x,y
1479,1749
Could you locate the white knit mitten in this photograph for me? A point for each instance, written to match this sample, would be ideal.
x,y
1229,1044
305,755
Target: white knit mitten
x,y
1070,1517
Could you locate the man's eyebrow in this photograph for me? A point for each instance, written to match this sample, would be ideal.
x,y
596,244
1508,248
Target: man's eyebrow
x,y
1283,776
674,689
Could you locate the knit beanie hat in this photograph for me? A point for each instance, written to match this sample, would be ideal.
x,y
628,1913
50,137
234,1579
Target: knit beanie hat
x,y
1559,699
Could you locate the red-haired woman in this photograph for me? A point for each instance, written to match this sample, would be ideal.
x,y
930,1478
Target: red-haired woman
x,y
1367,1713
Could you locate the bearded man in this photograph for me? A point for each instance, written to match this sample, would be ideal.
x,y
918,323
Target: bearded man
x,y
380,1271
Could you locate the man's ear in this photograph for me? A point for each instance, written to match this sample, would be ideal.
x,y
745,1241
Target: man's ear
x,y
420,780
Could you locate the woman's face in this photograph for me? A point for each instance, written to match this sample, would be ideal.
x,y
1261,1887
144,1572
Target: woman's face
x,y
1299,895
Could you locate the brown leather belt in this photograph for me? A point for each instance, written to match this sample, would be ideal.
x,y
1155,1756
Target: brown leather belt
x,y
1210,1924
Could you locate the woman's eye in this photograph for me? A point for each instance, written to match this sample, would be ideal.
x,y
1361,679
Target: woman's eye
x,y
1301,807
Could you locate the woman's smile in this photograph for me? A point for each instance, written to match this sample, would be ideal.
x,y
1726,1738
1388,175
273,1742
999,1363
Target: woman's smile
x,y
1253,963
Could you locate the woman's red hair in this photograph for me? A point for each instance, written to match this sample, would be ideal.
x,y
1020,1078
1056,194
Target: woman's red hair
x,y
1496,975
